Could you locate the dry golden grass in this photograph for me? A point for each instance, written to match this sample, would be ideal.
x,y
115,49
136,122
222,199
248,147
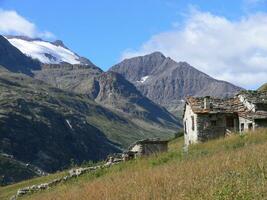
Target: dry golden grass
x,y
230,168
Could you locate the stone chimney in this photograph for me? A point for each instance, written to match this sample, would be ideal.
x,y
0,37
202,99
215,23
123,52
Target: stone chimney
x,y
207,102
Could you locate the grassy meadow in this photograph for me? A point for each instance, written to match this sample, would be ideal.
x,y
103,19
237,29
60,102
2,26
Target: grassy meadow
x,y
229,168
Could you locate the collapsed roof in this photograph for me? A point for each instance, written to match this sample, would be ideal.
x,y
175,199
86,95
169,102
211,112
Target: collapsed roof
x,y
232,105
148,141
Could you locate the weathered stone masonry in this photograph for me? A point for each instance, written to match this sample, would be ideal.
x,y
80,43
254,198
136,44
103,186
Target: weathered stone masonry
x,y
207,118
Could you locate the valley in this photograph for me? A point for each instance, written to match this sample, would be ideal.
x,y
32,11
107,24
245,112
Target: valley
x,y
58,108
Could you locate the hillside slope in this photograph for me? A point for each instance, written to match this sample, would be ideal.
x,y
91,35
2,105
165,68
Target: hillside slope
x,y
263,87
75,78
115,92
12,171
229,168
48,127
110,90
51,128
167,82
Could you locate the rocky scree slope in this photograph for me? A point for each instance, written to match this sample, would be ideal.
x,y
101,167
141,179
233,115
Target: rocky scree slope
x,y
112,90
75,78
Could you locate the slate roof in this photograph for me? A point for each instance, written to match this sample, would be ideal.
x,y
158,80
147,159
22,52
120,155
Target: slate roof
x,y
231,105
148,141
255,97
217,105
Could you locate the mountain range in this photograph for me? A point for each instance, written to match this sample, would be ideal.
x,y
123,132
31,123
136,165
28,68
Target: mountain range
x,y
168,82
57,107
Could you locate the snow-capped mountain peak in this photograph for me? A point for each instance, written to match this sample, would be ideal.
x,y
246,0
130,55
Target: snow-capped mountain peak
x,y
46,52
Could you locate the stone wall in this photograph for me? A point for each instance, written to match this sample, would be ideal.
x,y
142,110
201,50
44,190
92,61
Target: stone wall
x,y
149,149
244,124
250,106
212,126
190,132
73,173
137,148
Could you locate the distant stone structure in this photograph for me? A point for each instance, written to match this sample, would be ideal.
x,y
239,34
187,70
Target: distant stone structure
x,y
207,118
145,148
140,148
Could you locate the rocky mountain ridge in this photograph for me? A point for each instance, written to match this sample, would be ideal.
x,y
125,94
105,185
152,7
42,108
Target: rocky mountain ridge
x,y
168,82
113,91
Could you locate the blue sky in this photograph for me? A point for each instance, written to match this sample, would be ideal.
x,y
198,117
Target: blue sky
x,y
106,31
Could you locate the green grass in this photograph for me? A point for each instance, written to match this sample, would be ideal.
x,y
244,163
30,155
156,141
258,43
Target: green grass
x,y
229,168
13,171
263,88
7,191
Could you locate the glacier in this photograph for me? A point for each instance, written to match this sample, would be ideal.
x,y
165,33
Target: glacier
x,y
45,52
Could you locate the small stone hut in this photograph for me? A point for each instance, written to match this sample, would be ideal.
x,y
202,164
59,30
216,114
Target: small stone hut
x,y
207,118
145,148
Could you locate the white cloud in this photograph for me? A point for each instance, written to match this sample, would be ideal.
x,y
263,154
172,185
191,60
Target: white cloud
x,y
235,51
12,23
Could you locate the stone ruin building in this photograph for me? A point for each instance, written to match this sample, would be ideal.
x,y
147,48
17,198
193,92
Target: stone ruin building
x,y
207,118
145,148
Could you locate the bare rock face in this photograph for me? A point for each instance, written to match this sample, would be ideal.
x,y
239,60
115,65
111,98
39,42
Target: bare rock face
x,y
114,91
76,78
167,82
109,89
135,69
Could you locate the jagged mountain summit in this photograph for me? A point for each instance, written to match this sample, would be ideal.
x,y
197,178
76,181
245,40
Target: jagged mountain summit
x,y
47,52
168,82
